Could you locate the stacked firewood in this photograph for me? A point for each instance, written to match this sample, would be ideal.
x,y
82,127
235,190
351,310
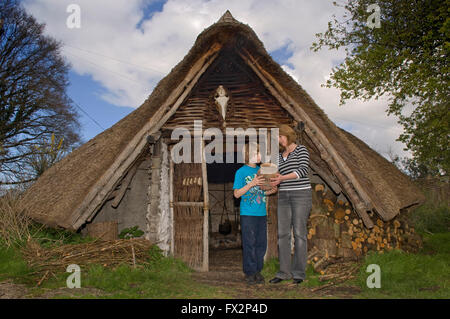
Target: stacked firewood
x,y
337,232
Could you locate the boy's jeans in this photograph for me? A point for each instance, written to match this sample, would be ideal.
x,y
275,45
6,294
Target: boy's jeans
x,y
254,243
294,207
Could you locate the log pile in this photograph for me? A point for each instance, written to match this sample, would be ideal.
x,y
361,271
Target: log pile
x,y
337,232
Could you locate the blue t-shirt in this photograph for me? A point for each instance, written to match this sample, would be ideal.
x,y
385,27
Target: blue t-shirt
x,y
253,203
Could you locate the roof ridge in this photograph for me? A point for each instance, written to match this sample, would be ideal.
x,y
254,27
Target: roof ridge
x,y
227,17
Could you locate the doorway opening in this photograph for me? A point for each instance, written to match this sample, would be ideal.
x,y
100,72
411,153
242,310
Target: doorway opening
x,y
224,227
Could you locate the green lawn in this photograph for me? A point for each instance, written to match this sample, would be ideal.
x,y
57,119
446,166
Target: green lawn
x,y
162,278
405,275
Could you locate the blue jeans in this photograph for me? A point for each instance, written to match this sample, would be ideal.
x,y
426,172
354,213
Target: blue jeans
x,y
294,207
254,243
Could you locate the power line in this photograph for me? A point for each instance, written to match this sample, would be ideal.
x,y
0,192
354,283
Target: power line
x,y
121,61
361,123
87,114
100,67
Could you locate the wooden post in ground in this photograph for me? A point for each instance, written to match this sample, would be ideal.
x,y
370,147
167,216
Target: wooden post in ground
x,y
205,266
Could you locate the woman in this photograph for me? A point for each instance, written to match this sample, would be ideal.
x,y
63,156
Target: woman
x,y
294,205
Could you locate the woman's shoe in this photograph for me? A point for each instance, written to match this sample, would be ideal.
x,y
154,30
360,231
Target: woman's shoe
x,y
275,280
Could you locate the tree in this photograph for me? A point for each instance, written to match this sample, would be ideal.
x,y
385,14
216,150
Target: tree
x,y
34,104
406,58
47,154
411,167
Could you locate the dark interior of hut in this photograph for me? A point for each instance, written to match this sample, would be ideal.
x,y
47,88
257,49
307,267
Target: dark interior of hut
x,y
224,230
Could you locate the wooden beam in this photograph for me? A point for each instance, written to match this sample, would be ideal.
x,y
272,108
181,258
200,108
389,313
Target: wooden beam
x,y
361,204
201,204
181,98
113,194
124,186
205,266
328,179
172,231
104,186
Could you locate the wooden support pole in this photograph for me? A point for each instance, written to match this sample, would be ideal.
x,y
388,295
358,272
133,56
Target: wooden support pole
x,y
124,186
172,220
205,266
333,185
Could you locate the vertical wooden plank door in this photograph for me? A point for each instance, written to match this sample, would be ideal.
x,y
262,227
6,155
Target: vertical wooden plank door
x,y
190,214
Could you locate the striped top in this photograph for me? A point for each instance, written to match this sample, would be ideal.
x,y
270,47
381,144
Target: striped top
x,y
298,162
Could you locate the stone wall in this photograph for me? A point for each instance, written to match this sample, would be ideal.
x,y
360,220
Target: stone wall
x,y
132,208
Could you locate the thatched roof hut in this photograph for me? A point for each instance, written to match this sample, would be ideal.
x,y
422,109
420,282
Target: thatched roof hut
x,y
73,191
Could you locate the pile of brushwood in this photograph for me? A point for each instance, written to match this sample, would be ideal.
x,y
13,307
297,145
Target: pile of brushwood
x,y
48,262
334,269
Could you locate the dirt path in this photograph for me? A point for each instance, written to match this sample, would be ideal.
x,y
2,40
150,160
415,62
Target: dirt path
x,y
10,290
226,272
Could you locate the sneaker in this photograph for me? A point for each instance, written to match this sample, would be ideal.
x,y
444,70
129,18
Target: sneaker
x,y
275,280
298,281
250,279
259,278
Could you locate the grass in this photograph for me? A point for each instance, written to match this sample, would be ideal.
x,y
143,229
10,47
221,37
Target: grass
x,y
406,275
12,265
431,218
49,237
271,268
164,277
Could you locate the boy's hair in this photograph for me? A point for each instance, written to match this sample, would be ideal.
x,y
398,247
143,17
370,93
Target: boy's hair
x,y
246,151
289,132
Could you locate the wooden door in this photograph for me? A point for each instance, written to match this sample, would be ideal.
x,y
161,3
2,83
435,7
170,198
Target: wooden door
x,y
189,198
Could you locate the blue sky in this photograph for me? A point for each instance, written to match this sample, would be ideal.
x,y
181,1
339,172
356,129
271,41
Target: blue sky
x,y
124,47
100,114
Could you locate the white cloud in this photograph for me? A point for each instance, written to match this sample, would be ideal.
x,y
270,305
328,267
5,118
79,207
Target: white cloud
x,y
129,61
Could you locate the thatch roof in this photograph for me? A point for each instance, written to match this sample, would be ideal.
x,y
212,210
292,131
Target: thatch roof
x,y
59,196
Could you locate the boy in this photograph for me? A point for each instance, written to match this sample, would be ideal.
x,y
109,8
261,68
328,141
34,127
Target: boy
x,y
252,214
